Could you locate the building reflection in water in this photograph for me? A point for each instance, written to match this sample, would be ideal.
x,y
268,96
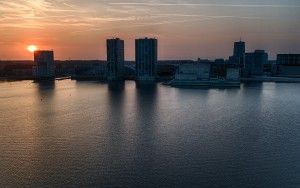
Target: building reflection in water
x,y
115,120
146,146
116,86
45,88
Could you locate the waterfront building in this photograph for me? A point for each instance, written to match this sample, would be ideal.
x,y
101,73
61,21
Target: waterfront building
x,y
89,70
203,74
287,65
146,59
193,71
218,69
44,66
233,74
288,59
255,61
115,59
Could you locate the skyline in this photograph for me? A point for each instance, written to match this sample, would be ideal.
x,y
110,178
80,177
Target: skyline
x,y
185,29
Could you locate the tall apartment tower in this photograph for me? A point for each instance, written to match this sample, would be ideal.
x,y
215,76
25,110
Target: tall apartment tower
x,y
115,59
238,57
146,59
44,68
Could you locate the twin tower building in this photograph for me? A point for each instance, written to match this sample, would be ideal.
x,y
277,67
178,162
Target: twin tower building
x,y
145,59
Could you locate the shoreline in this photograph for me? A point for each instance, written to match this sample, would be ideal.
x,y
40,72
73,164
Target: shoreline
x,y
271,79
243,80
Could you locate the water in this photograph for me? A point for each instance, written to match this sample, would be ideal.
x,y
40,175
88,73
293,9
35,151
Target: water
x,y
88,134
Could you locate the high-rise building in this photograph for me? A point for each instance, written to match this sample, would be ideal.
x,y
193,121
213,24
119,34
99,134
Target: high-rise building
x,y
115,59
146,58
255,62
238,57
239,49
44,64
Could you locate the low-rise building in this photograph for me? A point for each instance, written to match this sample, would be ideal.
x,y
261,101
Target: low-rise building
x,y
288,59
199,74
233,74
193,71
287,65
254,64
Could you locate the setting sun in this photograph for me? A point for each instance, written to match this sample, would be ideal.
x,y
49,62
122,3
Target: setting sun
x,y
32,48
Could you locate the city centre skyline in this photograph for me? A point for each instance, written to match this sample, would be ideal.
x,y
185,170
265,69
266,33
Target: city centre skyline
x,y
185,29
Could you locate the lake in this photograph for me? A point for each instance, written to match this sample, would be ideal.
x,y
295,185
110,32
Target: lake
x,y
92,134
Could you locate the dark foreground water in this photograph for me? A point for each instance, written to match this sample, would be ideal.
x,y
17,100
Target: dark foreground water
x,y
85,134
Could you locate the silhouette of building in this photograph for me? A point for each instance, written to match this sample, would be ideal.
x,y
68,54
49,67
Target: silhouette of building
x,y
239,49
115,59
288,59
195,71
89,70
146,59
218,69
233,73
44,65
238,53
287,65
255,62
201,73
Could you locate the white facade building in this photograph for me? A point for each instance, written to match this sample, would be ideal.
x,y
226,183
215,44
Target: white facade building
x,y
193,71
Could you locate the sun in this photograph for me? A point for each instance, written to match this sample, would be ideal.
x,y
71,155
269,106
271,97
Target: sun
x,y
32,48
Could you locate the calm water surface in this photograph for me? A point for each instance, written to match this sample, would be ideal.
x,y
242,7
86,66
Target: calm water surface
x,y
89,134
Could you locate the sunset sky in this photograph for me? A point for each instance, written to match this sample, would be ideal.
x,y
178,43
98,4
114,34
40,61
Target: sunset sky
x,y
186,29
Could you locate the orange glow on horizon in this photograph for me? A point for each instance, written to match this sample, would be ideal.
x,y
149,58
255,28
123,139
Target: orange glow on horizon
x,y
32,48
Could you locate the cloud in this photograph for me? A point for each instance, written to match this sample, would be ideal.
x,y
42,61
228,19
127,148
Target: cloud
x,y
209,5
39,14
36,14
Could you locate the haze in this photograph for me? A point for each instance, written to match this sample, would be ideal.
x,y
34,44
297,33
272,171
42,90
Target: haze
x,y
186,29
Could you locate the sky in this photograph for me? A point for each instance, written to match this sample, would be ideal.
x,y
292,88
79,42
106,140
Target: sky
x,y
185,29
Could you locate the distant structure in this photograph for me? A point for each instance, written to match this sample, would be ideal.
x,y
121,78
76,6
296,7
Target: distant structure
x,y
44,68
288,59
195,71
146,59
203,73
239,49
287,65
88,70
218,69
115,59
254,63
238,57
233,74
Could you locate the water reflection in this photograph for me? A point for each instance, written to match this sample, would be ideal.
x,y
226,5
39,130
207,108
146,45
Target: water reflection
x,y
257,85
141,135
115,127
146,145
116,86
45,88
146,102
116,109
45,105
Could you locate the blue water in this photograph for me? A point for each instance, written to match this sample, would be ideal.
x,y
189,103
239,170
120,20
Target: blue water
x,y
89,134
